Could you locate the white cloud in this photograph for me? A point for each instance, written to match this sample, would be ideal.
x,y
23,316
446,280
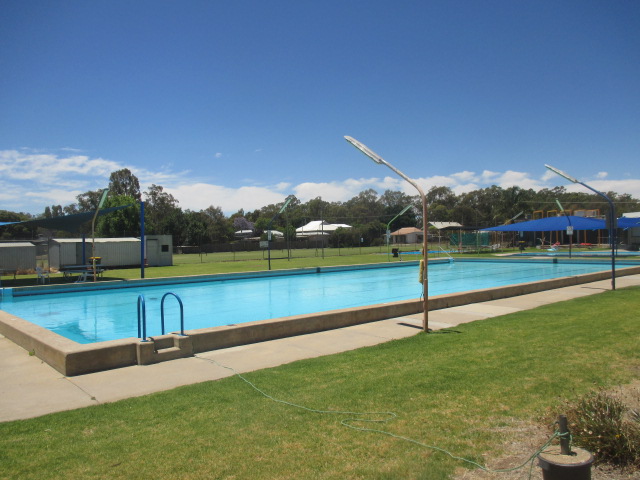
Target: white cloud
x,y
463,177
29,181
330,192
511,178
630,186
487,176
282,186
199,196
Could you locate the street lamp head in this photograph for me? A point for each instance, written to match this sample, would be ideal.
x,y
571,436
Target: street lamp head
x,y
364,149
286,203
405,209
103,197
561,173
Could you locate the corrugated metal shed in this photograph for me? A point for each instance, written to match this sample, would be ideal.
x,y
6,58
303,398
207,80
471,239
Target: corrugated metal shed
x,y
159,250
16,256
113,252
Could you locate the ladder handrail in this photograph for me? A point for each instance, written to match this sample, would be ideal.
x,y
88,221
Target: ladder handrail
x,y
181,312
143,334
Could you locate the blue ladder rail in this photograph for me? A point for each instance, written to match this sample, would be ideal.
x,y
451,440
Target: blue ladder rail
x,y
142,316
142,325
181,312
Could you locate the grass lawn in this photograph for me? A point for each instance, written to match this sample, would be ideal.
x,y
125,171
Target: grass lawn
x,y
458,390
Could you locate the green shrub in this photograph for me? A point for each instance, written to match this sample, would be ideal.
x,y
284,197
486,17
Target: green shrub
x,y
606,427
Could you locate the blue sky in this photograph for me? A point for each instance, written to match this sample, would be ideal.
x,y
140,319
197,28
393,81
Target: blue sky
x,y
239,104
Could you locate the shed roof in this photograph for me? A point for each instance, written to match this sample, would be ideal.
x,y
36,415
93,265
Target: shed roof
x,y
98,240
406,231
16,244
443,225
319,227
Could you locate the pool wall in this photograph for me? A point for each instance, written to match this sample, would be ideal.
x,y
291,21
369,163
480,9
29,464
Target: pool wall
x,y
71,358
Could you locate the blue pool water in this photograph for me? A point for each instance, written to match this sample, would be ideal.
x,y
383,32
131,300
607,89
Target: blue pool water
x,y
100,315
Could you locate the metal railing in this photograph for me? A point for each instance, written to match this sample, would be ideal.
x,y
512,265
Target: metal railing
x,y
142,315
181,312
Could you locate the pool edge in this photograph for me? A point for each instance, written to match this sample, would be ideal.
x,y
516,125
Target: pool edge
x,y
71,358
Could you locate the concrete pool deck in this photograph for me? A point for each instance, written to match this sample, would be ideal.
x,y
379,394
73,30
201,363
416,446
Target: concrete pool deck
x,y
29,387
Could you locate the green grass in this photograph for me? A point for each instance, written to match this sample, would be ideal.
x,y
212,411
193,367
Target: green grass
x,y
452,389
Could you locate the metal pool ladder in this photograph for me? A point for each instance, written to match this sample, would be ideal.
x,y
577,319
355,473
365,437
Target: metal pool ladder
x,y
181,312
164,347
142,315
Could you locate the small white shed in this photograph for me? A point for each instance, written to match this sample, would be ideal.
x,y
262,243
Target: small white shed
x,y
113,252
16,256
159,250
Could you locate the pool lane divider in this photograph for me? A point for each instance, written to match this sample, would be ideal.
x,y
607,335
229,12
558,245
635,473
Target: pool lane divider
x,y
71,358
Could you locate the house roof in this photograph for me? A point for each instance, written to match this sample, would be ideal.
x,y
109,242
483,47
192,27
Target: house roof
x,y
443,225
16,244
319,227
406,231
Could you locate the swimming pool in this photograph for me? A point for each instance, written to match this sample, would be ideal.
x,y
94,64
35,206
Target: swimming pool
x,y
101,315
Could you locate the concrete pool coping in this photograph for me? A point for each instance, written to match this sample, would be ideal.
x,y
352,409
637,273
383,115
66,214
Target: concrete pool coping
x,y
71,358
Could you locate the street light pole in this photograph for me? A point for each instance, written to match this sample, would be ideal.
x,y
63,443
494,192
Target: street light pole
x,y
388,231
286,204
103,198
425,284
612,223
569,227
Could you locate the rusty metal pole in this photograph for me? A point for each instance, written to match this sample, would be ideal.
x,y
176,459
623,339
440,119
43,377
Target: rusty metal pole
x,y
565,444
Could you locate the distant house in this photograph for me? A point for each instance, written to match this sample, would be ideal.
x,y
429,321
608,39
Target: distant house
x,y
244,234
407,235
318,230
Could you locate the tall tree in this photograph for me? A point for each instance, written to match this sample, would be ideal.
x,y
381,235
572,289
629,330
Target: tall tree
x,y
123,182
14,232
219,229
162,213
241,223
121,223
88,201
365,206
195,233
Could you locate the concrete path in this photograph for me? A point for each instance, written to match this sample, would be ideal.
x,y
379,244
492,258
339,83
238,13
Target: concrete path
x,y
30,388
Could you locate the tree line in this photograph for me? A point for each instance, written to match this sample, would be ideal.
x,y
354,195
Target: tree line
x,y
369,213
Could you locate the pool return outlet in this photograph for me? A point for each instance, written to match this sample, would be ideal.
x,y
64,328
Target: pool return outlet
x,y
164,347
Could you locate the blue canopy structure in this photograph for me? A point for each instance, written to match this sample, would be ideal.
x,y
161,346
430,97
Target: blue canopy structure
x,y
628,222
551,224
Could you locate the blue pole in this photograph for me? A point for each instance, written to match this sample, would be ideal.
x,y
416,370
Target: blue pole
x,y
142,240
